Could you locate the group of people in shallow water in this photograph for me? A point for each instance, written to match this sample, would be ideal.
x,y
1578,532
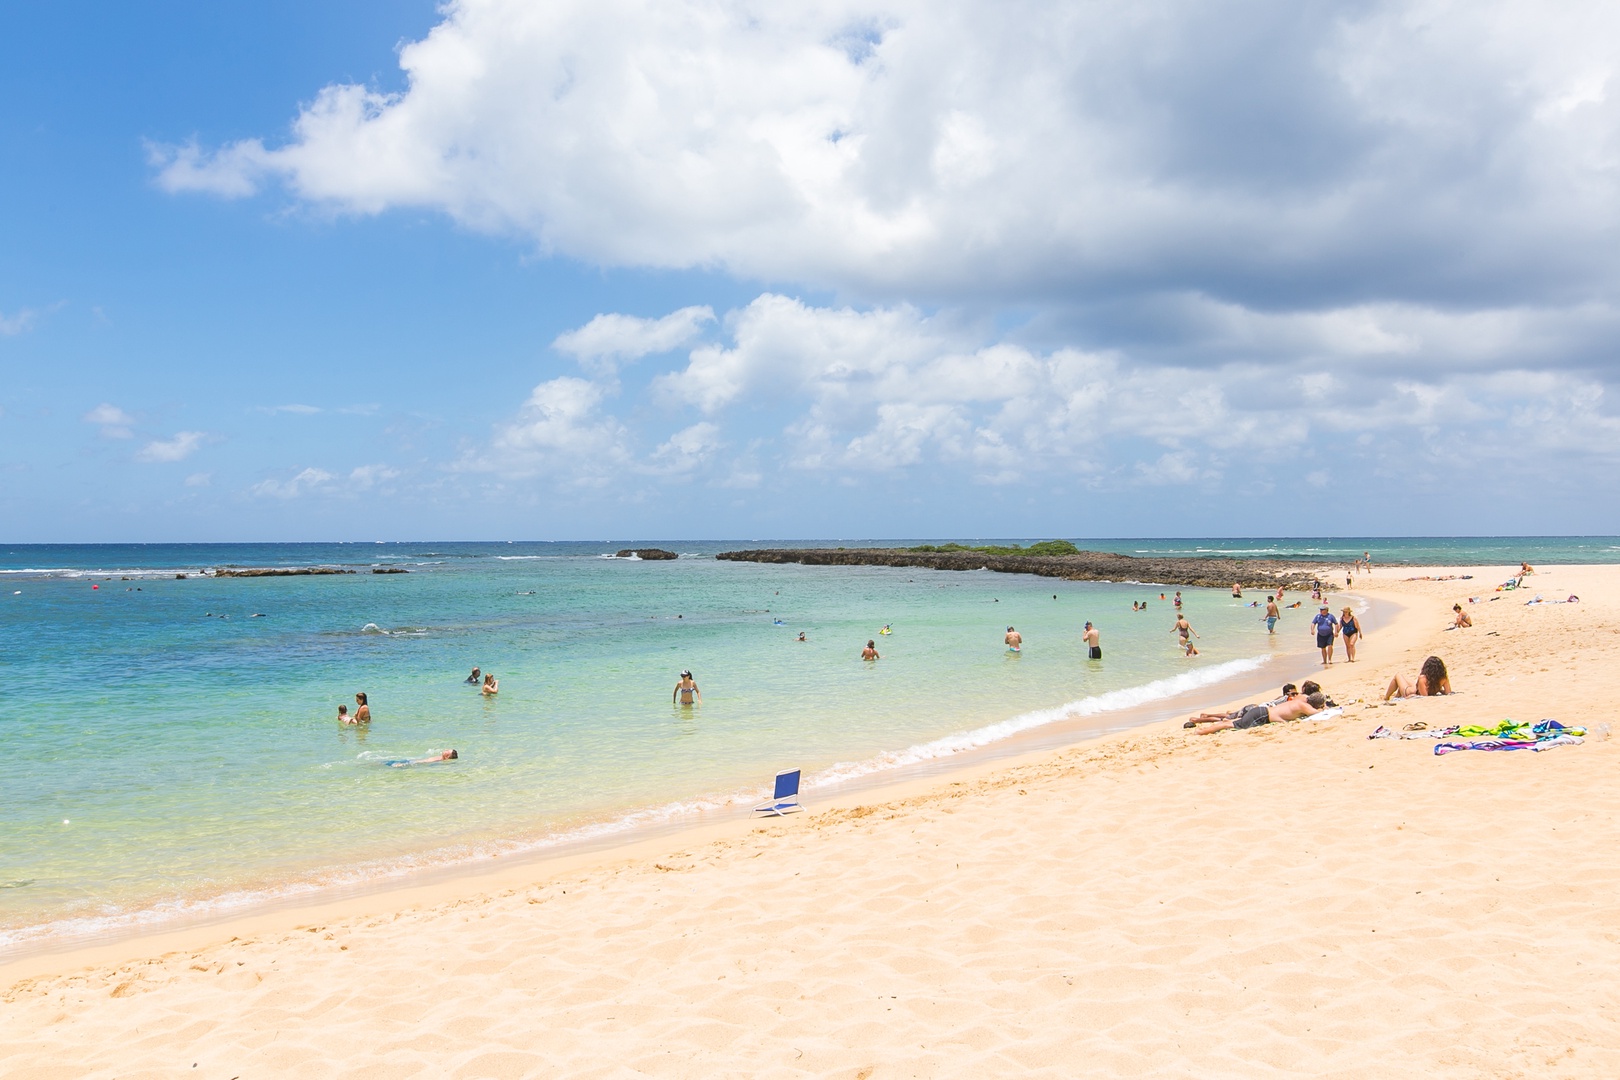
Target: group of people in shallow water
x,y
486,682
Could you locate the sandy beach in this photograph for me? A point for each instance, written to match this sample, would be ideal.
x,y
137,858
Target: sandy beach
x,y
1296,900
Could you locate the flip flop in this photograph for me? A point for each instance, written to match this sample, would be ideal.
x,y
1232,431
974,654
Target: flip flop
x,y
1416,726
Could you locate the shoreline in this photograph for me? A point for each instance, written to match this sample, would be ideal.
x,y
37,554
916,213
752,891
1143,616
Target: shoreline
x,y
873,776
1296,899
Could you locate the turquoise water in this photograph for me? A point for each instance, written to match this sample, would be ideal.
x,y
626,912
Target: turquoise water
x,y
169,753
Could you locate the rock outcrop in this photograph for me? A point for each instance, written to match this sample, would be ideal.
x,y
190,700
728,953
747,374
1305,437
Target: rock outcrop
x,y
1086,566
646,553
276,571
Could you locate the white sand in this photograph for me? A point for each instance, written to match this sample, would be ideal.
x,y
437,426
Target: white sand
x,y
1291,901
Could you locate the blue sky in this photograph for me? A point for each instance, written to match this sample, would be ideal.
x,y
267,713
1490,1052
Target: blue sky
x,y
505,270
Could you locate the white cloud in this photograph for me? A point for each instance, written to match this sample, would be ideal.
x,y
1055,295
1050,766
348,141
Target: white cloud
x,y
957,148
608,340
297,410
688,448
307,481
12,325
114,422
232,172
561,432
178,448
365,477
201,479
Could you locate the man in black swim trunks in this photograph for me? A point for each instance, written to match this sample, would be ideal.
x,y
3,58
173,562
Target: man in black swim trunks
x,y
1256,715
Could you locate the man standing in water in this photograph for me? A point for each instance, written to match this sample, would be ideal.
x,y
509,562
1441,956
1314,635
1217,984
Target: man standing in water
x,y
1093,638
686,691
1014,640
870,652
1272,614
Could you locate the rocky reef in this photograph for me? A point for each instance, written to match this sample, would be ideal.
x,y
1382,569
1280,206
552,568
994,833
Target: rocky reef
x,y
1219,573
646,553
276,571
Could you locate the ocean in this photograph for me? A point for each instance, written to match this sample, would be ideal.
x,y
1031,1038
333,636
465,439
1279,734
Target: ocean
x,y
172,747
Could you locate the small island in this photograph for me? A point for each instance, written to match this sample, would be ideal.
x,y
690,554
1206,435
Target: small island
x,y
650,554
1058,559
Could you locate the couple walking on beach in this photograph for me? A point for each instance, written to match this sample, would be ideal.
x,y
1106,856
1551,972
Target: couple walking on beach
x,y
1329,629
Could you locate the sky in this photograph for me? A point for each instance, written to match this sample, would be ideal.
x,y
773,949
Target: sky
x,y
501,269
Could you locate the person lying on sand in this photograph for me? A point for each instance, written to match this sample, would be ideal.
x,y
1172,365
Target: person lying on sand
x,y
1289,690
1256,715
1432,681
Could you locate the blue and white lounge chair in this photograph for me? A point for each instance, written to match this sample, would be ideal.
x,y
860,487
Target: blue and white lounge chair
x,y
786,799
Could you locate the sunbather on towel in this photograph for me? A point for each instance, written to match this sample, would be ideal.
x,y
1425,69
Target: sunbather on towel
x,y
1256,715
1432,681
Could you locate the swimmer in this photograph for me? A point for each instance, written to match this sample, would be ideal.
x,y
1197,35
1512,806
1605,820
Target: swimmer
x,y
490,686
870,652
475,678
362,715
443,755
778,622
802,637
887,629
343,715
1014,640
686,691
1178,599
1093,640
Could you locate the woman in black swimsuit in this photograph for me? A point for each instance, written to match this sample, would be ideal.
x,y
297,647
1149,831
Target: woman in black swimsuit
x,y
1349,631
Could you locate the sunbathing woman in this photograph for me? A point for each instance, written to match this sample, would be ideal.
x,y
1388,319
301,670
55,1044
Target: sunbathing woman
x,y
1432,681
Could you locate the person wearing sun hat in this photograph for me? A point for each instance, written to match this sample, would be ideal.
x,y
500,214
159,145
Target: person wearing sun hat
x,y
686,690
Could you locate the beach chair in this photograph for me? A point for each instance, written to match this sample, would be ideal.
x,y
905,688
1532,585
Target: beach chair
x,y
786,799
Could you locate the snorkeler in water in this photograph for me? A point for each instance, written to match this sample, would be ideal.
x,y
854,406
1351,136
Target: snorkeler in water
x,y
443,755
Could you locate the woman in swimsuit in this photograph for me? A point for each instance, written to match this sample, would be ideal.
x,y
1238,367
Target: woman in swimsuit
x,y
362,715
1432,681
491,686
1349,630
687,690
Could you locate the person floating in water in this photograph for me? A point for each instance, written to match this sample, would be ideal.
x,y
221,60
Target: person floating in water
x,y
443,755
475,678
343,715
1014,640
870,652
686,691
